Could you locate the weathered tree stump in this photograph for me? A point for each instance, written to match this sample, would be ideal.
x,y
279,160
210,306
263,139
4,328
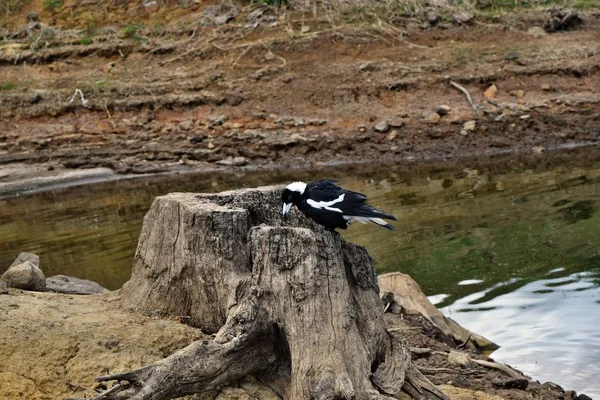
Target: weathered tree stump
x,y
292,304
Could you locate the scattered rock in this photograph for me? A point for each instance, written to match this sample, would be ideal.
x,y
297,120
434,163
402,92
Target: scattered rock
x,y
220,14
316,122
432,118
269,56
546,87
470,125
512,56
526,116
198,138
218,121
3,288
501,117
26,276
255,15
517,93
25,256
490,93
459,358
538,149
151,6
463,18
515,383
33,17
383,126
536,32
36,98
367,66
362,128
443,110
233,161
305,29
463,132
432,18
397,122
561,19
186,125
211,145
72,285
235,97
393,135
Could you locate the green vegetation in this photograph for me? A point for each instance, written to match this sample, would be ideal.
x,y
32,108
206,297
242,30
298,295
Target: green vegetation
x,y
86,41
52,5
129,31
8,85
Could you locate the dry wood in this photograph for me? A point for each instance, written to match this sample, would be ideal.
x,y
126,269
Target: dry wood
x,y
468,96
500,367
297,307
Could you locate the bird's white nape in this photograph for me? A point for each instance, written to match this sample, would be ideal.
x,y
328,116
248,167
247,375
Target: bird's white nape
x,y
299,187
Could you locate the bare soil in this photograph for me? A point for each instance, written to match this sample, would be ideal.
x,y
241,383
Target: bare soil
x,y
183,92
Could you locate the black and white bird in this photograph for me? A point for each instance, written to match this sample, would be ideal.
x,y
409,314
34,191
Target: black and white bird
x,y
330,205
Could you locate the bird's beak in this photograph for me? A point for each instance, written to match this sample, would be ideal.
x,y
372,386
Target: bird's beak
x,y
286,208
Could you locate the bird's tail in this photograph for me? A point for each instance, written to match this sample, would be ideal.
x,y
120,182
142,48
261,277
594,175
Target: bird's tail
x,y
382,223
370,212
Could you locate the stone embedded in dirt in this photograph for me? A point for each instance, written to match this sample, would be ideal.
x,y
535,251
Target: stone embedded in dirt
x,y
25,256
512,56
305,29
382,126
546,87
464,133
198,138
186,125
463,18
432,18
515,383
517,93
233,161
393,135
561,19
432,118
459,358
538,149
269,56
218,121
3,288
36,98
72,285
210,145
536,32
443,110
255,15
150,6
490,93
470,125
362,128
316,122
220,14
234,97
526,116
26,276
501,117
397,122
367,66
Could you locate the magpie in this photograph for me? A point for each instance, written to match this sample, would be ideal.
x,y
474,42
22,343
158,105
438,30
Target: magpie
x,y
330,205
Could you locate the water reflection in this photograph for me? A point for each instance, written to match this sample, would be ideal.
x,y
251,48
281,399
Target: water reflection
x,y
510,251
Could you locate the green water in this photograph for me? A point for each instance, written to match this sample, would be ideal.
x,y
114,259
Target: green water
x,y
511,251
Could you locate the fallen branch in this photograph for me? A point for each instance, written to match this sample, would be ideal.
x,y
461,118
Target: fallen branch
x,y
468,95
500,367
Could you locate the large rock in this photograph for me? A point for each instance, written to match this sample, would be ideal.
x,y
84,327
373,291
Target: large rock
x,y
412,301
24,256
26,276
72,285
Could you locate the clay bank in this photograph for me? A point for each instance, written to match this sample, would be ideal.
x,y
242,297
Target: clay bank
x,y
227,302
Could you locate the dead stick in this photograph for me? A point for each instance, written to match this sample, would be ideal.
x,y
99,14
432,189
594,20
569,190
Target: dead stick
x,y
468,95
500,367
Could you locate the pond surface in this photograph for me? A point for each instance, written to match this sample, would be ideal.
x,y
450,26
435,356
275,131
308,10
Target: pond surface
x,y
510,251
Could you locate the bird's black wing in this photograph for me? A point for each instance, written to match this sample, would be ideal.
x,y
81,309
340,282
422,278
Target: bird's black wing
x,y
327,190
353,203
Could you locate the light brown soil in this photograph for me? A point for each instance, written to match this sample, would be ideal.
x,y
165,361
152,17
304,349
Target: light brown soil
x,y
52,346
289,98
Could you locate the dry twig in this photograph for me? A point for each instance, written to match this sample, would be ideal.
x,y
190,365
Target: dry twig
x,y
468,96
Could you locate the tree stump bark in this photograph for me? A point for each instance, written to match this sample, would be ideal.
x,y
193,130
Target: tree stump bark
x,y
292,304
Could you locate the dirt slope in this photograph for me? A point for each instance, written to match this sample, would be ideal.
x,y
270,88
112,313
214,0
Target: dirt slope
x,y
187,90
